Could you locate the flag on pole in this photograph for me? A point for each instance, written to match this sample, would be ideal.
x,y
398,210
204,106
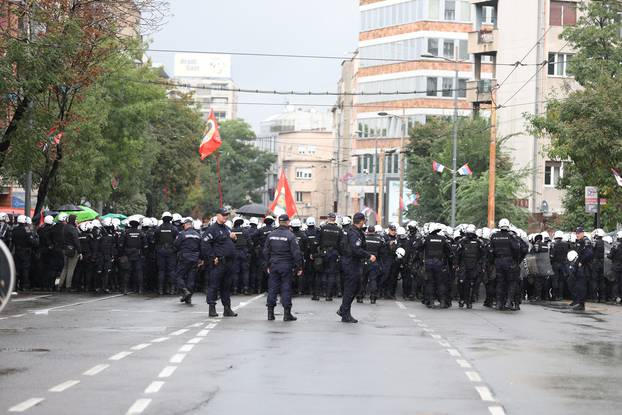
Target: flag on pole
x,y
465,170
211,138
54,136
283,199
437,167
616,174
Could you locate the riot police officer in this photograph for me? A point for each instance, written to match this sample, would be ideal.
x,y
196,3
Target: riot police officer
x,y
615,255
301,239
188,247
329,243
133,243
585,252
241,263
389,272
505,251
353,258
164,236
596,279
24,242
311,273
372,270
470,255
437,255
283,258
262,236
218,250
558,253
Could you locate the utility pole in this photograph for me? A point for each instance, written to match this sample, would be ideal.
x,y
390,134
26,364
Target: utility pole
x,y
375,168
454,157
492,168
538,89
381,186
402,164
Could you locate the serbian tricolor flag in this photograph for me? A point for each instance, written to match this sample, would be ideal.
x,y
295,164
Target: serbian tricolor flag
x,y
283,199
465,170
616,174
437,167
54,136
211,139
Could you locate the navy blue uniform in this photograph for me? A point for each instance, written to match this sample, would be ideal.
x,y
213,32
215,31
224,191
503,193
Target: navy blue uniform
x,y
353,257
188,247
241,263
471,253
164,237
437,254
282,255
24,241
505,251
329,241
558,253
312,278
218,245
583,271
133,244
371,270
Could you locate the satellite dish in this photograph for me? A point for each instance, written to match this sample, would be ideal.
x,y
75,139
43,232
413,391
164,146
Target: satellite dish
x,y
7,275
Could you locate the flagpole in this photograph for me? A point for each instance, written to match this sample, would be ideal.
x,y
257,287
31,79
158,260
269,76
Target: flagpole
x,y
218,174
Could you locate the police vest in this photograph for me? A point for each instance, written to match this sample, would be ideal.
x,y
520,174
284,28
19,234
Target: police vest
x,y
502,244
599,249
374,243
434,247
133,240
240,241
165,236
559,252
617,254
329,236
471,251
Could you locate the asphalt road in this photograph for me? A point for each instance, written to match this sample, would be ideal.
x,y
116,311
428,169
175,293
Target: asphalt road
x,y
77,354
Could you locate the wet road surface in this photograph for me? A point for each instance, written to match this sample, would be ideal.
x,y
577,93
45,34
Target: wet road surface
x,y
77,354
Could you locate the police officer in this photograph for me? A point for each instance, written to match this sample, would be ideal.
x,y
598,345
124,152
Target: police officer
x,y
353,258
133,243
596,280
371,270
505,251
164,236
46,248
218,250
149,255
437,255
539,247
329,243
254,255
262,236
58,238
241,262
312,276
283,258
585,252
558,253
615,255
389,262
470,255
301,239
106,251
24,241
84,269
187,244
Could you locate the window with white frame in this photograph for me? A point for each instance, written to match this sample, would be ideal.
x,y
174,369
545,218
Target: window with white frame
x,y
450,10
553,172
558,64
300,197
304,174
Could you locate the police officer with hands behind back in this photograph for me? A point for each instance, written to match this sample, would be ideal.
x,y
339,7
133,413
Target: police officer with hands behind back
x,y
283,258
353,258
188,247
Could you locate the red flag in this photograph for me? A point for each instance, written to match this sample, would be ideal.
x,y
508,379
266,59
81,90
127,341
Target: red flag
x,y
55,136
211,139
283,199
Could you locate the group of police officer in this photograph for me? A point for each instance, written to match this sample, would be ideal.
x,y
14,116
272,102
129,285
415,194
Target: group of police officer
x,y
349,260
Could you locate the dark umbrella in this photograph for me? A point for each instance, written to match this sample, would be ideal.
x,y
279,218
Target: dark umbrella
x,y
254,209
69,208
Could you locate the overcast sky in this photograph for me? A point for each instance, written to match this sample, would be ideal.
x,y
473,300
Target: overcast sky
x,y
316,27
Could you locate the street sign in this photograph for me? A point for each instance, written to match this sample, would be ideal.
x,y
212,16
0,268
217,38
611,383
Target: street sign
x,y
591,199
7,275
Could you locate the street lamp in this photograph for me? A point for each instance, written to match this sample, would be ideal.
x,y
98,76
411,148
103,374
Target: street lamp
x,y
454,157
401,156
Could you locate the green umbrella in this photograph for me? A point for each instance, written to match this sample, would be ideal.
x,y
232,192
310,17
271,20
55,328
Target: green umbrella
x,y
114,216
84,214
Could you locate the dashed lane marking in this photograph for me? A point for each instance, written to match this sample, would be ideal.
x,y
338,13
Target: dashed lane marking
x,y
210,326
120,355
485,393
96,370
27,404
195,340
140,346
454,352
496,410
202,333
195,325
186,348
177,358
64,386
179,332
139,406
444,343
437,336
167,371
473,376
160,339
154,387
463,363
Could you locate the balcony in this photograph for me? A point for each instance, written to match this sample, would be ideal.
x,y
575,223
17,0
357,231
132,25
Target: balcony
x,y
483,41
480,91
485,2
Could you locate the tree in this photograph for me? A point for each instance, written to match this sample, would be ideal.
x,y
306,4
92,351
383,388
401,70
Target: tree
x,y
432,142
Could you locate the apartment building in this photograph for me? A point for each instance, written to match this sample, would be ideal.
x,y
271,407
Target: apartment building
x,y
414,47
526,31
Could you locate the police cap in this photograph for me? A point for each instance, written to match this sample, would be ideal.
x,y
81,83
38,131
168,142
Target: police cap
x,y
283,218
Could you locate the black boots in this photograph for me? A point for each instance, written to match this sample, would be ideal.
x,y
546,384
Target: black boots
x,y
185,296
346,318
579,307
315,298
287,315
229,312
270,313
212,310
372,299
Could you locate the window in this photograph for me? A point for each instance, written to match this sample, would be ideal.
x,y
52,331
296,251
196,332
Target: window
x,y
448,48
448,86
220,115
488,15
432,88
462,85
299,197
306,150
450,9
434,9
220,100
558,64
553,171
433,47
563,13
304,174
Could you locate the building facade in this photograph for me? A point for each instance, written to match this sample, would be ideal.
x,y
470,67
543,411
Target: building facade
x,y
208,76
507,31
412,47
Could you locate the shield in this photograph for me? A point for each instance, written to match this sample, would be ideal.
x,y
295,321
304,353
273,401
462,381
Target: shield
x,y
7,275
543,263
608,265
532,264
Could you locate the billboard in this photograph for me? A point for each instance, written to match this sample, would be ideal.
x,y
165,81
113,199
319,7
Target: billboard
x,y
202,65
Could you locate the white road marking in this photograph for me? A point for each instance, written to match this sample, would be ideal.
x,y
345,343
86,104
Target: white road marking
x,y
400,305
140,346
202,333
454,352
444,343
139,406
64,386
35,298
195,324
96,369
178,332
177,358
47,310
186,348
417,321
154,387
496,410
27,404
17,315
167,371
195,340
120,355
485,393
210,326
437,336
428,330
412,316
160,340
422,325
474,376
463,363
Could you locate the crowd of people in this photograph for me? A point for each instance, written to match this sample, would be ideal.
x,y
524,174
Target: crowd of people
x,y
220,256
